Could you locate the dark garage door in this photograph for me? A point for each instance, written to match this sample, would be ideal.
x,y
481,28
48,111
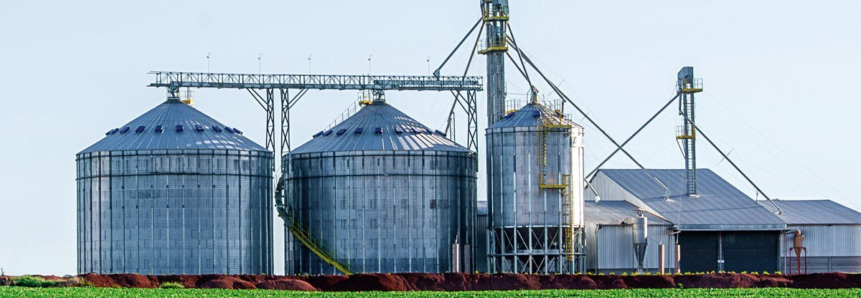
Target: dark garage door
x,y
742,251
699,251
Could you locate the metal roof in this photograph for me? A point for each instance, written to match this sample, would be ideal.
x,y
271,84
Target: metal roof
x,y
815,212
614,213
526,117
173,125
719,206
376,127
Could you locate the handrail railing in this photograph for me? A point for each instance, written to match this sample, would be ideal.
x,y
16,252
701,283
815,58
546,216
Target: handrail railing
x,y
174,79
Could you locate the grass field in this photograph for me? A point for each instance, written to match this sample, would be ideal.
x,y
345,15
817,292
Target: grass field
x,y
179,293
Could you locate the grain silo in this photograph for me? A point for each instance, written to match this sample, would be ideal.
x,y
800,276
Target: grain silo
x,y
535,192
380,192
174,192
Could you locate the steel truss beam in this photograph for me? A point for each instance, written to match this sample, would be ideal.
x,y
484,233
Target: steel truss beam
x,y
170,79
533,249
268,83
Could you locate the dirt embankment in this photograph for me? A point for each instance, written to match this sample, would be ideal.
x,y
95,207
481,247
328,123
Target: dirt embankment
x,y
476,282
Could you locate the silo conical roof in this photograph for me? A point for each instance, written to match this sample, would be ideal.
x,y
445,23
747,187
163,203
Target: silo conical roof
x,y
531,115
379,126
159,129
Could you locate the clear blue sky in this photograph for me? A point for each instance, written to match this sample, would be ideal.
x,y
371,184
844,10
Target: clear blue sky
x,y
780,81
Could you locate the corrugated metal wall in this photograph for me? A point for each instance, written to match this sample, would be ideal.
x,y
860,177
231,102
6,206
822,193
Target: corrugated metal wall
x,y
528,222
481,243
607,189
829,241
830,248
610,248
385,211
175,212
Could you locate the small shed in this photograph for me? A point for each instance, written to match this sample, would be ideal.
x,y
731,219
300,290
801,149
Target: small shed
x,y
832,236
609,238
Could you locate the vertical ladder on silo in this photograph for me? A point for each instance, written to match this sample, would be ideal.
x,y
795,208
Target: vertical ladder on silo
x,y
686,133
304,235
558,181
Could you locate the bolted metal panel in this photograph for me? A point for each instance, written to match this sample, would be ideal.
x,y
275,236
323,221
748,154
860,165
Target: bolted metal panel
x,y
163,212
164,200
827,240
173,125
611,251
481,234
529,223
384,212
814,212
610,233
718,206
390,202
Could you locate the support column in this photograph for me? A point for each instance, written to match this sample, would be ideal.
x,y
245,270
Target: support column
x,y
495,16
472,123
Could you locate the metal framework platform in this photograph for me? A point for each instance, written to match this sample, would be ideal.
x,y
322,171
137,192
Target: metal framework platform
x,y
172,79
463,88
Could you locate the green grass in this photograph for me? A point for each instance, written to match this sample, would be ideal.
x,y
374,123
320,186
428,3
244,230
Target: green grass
x,y
171,285
35,282
149,293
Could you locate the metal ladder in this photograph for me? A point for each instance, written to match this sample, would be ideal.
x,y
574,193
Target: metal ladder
x,y
304,235
557,181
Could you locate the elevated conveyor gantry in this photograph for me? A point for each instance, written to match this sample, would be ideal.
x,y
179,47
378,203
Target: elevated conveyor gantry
x,y
269,83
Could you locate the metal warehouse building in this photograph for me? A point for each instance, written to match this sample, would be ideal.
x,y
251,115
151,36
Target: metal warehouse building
x,y
719,229
832,236
609,236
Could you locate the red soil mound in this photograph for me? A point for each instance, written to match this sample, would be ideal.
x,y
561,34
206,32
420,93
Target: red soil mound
x,y
228,282
426,282
286,284
121,280
324,282
371,282
254,278
774,281
609,282
465,281
821,281
567,282
470,282
853,280
650,281
189,281
514,282
718,281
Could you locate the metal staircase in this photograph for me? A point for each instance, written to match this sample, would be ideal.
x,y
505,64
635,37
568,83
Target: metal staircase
x,y
558,181
304,235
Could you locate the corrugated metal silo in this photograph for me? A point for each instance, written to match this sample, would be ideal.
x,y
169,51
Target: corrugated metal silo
x,y
535,191
380,192
175,192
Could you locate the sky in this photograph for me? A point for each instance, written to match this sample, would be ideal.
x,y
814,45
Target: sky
x,y
779,82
